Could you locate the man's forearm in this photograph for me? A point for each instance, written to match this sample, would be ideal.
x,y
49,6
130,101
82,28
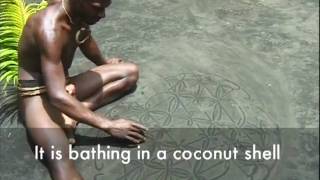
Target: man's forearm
x,y
97,59
76,110
91,50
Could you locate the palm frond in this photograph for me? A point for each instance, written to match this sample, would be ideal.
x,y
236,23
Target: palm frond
x,y
9,107
13,17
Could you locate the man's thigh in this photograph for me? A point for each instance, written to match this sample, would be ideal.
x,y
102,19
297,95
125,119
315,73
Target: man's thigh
x,y
46,115
43,126
91,81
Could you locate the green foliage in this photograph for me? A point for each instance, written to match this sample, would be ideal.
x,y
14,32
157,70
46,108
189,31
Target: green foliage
x,y
13,16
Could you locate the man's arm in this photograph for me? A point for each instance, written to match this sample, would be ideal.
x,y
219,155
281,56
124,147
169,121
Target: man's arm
x,y
54,77
53,74
91,50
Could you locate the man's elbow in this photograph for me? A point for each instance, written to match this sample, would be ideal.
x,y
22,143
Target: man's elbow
x,y
58,99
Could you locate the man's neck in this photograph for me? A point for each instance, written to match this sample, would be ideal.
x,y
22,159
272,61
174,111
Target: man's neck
x,y
71,12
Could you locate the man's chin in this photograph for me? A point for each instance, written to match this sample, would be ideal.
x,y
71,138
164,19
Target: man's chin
x,y
92,22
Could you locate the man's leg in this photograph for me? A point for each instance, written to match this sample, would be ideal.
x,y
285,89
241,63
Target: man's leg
x,y
44,131
104,84
69,124
99,86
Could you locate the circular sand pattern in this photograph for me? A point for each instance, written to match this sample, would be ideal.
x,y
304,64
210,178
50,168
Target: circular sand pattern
x,y
196,111
196,100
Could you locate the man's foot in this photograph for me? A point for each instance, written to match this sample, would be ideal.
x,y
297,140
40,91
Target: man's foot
x,y
70,128
70,125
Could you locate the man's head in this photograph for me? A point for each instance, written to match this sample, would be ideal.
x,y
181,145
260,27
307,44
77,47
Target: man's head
x,y
91,11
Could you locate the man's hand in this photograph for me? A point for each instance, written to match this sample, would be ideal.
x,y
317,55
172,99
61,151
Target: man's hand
x,y
114,61
125,129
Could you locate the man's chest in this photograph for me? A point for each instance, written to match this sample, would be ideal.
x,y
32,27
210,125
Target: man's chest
x,y
67,54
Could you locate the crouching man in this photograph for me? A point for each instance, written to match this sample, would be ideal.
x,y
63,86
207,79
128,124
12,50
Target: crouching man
x,y
51,101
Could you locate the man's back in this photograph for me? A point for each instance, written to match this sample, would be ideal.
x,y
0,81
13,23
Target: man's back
x,y
38,27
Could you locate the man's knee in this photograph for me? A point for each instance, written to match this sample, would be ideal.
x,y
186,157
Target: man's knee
x,y
127,71
132,74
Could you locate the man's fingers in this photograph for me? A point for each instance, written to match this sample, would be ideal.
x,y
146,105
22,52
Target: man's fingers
x,y
132,139
115,61
137,130
118,61
139,126
137,135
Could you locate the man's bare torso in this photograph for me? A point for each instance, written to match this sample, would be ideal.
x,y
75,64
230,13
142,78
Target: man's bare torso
x,y
47,20
46,50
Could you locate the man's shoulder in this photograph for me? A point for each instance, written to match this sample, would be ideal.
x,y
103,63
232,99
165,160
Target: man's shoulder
x,y
45,25
38,19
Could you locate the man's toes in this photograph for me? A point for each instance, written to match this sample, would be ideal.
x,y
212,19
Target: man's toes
x,y
70,135
72,140
71,89
68,122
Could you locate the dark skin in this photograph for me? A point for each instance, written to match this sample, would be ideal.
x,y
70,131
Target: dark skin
x,y
46,52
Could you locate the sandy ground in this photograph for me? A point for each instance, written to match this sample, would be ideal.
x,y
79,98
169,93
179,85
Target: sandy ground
x,y
223,64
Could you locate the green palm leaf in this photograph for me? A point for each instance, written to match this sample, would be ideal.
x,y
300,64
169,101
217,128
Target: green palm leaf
x,y
13,17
